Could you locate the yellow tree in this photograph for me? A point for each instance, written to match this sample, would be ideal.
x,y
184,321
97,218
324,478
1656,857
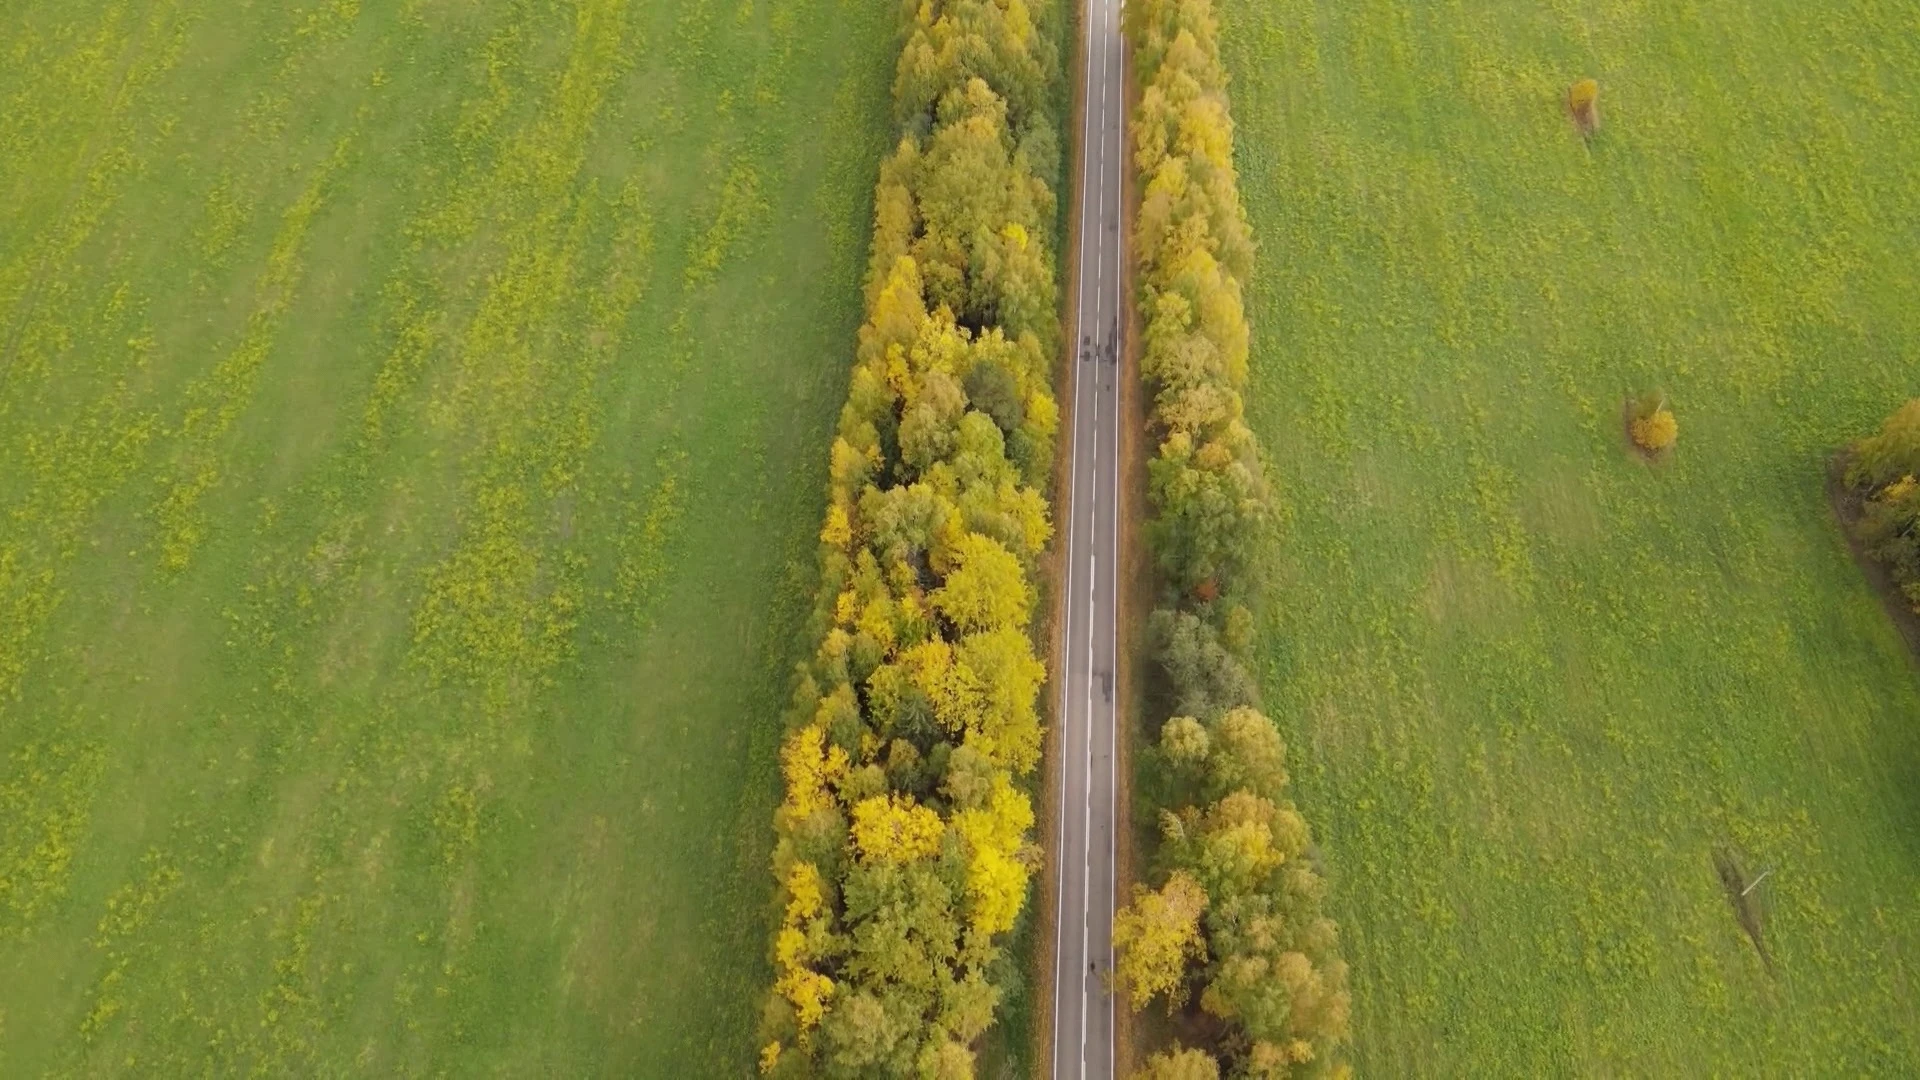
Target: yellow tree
x,y
895,829
987,588
995,680
995,833
809,766
1247,754
1180,1063
1157,935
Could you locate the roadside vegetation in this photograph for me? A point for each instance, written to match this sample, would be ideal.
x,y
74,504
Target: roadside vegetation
x,y
401,554
1881,472
904,851
1611,752
1234,932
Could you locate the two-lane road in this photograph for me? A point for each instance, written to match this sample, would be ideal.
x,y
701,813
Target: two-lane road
x,y
1084,848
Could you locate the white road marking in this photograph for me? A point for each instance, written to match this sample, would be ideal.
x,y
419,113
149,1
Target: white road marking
x,y
1105,154
1073,466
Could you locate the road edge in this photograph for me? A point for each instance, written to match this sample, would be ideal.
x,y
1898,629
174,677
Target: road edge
x,y
1136,565
1046,938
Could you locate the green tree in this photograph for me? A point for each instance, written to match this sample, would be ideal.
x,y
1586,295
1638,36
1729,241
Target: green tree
x,y
869,1033
1274,976
953,41
1265,977
902,844
1203,679
929,425
970,777
996,391
1209,500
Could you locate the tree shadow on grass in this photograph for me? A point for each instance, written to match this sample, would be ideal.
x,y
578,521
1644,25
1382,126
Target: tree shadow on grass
x,y
1743,894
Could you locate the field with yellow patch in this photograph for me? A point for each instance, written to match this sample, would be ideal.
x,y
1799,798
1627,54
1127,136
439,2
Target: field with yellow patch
x,y
1532,682
413,421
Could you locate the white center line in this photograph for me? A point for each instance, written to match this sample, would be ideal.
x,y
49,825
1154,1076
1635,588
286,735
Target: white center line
x,y
1103,151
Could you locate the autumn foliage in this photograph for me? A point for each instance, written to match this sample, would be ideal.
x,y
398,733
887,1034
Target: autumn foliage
x,y
1881,474
1583,102
1656,432
1237,916
1653,427
1157,936
903,849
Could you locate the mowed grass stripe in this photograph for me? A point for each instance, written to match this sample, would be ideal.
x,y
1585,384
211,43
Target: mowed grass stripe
x,y
438,750
1532,682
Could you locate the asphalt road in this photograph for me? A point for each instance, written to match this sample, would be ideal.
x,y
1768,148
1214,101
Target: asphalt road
x,y
1083,947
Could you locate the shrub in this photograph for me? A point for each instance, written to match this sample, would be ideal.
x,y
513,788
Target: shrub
x,y
1653,427
1881,472
1890,453
1583,101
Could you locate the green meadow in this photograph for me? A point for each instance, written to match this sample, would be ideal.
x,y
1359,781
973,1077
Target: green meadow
x,y
412,430
1533,683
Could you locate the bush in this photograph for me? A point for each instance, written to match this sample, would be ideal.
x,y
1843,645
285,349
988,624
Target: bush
x,y
1881,472
1656,431
1651,424
1889,454
1583,101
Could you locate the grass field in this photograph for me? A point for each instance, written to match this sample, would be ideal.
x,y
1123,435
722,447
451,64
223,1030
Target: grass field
x,y
1533,682
412,428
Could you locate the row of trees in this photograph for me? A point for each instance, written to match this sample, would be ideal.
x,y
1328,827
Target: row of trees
x,y
903,844
1237,915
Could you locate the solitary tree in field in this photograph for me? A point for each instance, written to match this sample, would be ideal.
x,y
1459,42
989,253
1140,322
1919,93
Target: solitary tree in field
x,y
1583,101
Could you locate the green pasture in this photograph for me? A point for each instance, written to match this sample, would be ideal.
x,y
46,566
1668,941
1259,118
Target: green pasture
x,y
1533,683
412,433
